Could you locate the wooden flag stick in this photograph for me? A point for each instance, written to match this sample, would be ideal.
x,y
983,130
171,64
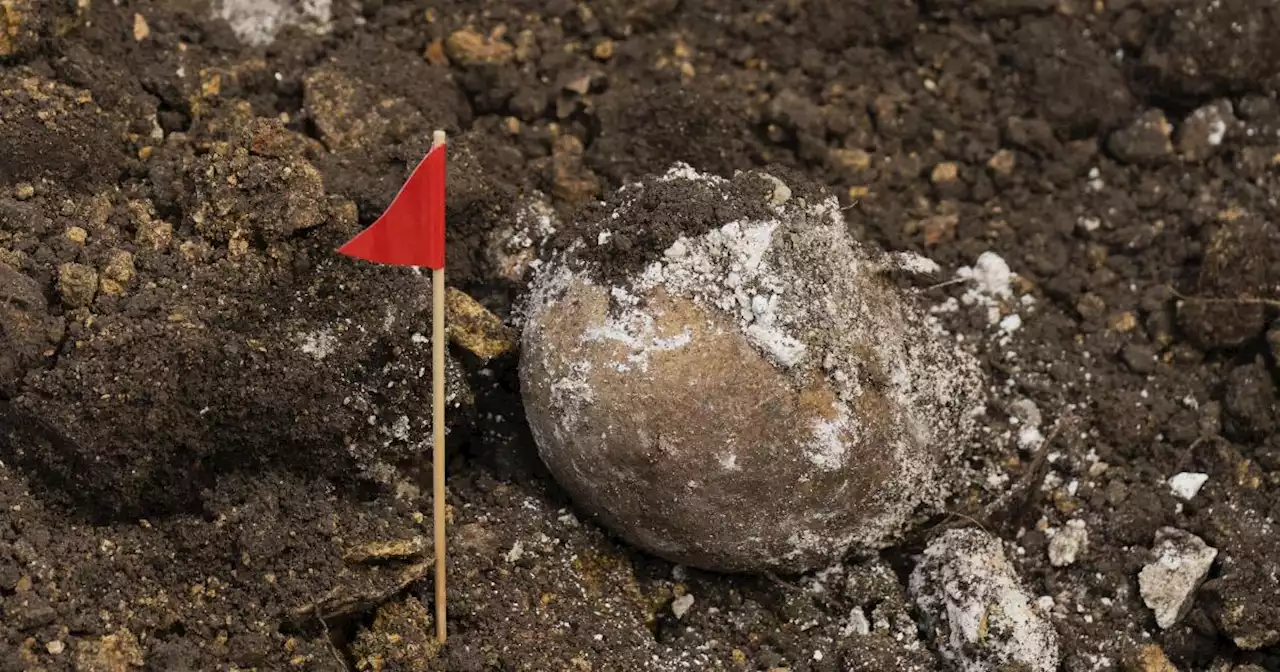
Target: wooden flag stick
x,y
437,423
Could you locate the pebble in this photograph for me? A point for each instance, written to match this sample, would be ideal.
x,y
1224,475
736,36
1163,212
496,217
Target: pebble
x,y
1186,484
681,605
467,47
77,284
1145,141
1168,584
1150,658
1201,134
55,647
975,608
24,190
1068,543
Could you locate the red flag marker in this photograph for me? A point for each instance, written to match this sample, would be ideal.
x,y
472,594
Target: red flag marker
x,y
411,233
411,230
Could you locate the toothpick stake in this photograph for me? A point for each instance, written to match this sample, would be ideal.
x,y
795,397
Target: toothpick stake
x,y
411,233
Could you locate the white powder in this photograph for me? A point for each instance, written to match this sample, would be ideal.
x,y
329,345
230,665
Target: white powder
x,y
256,22
319,344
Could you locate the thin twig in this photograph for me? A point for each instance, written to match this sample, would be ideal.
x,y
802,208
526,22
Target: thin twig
x,y
329,639
1247,300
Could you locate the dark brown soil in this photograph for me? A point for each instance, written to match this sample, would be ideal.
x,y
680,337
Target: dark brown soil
x,y
185,484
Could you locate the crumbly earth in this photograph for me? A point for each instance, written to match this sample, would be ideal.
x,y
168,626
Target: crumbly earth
x,y
1095,180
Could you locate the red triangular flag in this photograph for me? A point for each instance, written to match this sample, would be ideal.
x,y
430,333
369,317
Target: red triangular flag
x,y
411,230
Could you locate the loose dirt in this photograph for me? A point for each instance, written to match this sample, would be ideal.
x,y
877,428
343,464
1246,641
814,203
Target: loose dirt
x,y
175,175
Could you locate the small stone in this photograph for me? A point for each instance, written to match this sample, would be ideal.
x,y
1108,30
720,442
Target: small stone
x,y
77,284
1002,162
154,234
467,47
1145,141
118,652
603,51
975,608
140,28
572,181
56,647
1187,484
1150,658
77,235
1091,307
681,605
24,191
852,161
944,172
1168,584
119,268
1139,357
1203,131
1068,544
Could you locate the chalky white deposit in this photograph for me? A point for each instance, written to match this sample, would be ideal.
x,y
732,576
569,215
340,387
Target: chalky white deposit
x,y
981,618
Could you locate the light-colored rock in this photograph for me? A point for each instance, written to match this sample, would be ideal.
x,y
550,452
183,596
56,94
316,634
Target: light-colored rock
x,y
77,284
681,605
1168,584
760,364
980,617
1187,484
1068,543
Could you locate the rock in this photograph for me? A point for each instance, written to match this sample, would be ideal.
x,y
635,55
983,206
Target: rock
x,y
1201,134
117,652
975,609
729,362
474,328
1002,162
351,114
77,284
253,199
681,605
1145,141
1139,357
1069,542
118,272
1150,658
467,47
571,180
1186,485
1169,583
511,251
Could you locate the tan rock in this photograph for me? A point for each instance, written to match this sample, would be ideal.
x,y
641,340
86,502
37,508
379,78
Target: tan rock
x,y
117,652
467,47
77,284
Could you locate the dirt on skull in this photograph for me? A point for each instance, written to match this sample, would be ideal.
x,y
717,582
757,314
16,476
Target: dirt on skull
x,y
189,473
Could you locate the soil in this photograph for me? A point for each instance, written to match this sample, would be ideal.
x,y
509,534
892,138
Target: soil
x,y
171,190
